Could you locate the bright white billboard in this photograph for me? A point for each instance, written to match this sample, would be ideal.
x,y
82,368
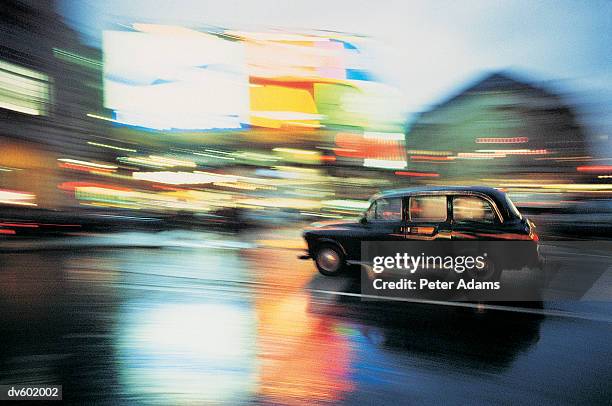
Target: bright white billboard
x,y
175,80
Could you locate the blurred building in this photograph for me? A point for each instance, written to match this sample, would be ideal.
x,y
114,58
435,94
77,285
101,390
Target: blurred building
x,y
500,127
49,82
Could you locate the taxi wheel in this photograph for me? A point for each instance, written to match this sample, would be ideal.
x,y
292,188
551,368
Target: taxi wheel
x,y
329,260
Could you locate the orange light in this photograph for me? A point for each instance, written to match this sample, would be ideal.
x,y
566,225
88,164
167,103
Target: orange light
x,y
495,140
431,158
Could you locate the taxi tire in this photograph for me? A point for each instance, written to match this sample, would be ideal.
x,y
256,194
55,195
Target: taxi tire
x,y
329,251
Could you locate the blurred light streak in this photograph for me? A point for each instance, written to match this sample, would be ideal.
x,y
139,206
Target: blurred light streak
x,y
336,149
347,204
515,151
298,155
431,158
183,178
427,152
581,186
238,186
97,144
102,118
22,71
172,162
229,158
571,158
22,225
143,161
384,164
87,164
216,151
155,161
16,198
311,214
71,186
527,185
254,156
594,168
84,168
7,232
479,155
417,174
78,59
510,140
295,151
535,181
306,125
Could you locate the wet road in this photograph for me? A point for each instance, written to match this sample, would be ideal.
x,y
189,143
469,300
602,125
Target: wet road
x,y
186,318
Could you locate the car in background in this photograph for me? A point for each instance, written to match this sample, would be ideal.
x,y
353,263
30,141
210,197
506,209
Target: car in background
x,y
425,214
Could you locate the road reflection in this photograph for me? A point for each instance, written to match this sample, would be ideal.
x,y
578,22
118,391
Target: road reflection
x,y
190,351
233,326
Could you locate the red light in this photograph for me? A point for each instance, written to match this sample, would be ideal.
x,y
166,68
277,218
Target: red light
x,y
417,174
595,168
351,145
7,232
27,225
84,168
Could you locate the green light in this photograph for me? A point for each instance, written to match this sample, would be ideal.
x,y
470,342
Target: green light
x,y
77,59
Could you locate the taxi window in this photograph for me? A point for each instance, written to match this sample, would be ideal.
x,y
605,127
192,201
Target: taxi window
x,y
472,208
428,208
385,210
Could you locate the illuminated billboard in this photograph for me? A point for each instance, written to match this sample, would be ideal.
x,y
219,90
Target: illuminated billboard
x,y
23,90
183,79
175,78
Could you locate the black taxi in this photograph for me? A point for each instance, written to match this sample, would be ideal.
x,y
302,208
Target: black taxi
x,y
423,213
